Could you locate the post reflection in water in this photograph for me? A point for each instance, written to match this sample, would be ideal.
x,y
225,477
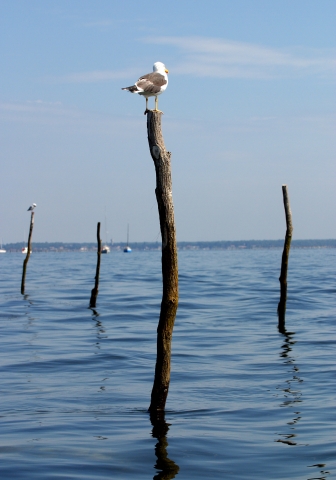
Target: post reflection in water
x,y
27,300
30,318
323,471
293,398
168,468
292,394
100,332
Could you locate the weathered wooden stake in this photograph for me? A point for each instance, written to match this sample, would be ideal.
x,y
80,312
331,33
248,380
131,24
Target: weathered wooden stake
x,y
94,291
284,263
169,302
25,262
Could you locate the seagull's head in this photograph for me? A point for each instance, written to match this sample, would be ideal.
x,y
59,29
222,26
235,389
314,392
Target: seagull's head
x,y
34,205
160,67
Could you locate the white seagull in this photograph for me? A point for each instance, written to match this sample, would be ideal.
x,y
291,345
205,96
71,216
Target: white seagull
x,y
31,207
152,84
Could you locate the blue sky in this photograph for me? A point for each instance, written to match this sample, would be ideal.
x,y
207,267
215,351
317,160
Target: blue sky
x,y
250,106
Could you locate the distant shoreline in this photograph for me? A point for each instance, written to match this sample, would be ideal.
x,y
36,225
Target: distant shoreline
x,y
154,246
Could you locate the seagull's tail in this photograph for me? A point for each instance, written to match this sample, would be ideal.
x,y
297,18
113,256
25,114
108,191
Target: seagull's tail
x,y
132,89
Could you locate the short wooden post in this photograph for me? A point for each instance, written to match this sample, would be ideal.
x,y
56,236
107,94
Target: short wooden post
x,y
169,302
284,263
94,291
25,262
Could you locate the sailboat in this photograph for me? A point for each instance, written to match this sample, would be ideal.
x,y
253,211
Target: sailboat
x,y
24,249
105,248
127,249
2,250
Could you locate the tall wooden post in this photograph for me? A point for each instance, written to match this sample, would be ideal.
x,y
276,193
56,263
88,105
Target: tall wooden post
x,y
25,262
94,291
284,263
169,302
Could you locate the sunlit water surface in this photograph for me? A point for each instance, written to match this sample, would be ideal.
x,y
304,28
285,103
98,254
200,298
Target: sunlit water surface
x,y
245,401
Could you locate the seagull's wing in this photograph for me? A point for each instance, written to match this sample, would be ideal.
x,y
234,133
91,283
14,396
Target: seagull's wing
x,y
151,83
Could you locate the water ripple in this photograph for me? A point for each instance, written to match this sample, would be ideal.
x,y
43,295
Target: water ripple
x,y
245,401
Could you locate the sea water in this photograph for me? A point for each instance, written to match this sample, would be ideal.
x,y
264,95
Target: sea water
x,y
245,401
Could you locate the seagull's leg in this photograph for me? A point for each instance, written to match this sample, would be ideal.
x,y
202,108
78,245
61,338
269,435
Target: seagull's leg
x,y
156,105
146,106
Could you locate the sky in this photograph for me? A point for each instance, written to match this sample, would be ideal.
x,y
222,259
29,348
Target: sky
x,y
250,106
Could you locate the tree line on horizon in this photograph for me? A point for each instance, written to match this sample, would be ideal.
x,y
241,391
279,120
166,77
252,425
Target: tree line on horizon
x,y
210,245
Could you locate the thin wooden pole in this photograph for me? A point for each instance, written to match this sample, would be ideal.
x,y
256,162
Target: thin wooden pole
x,y
169,302
94,291
25,262
285,257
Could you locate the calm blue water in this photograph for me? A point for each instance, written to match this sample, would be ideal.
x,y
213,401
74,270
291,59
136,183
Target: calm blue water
x,y
245,401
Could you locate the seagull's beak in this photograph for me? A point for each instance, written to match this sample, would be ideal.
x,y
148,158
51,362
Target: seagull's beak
x,y
167,71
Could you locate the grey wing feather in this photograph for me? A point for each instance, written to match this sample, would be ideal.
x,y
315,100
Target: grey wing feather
x,y
152,82
132,89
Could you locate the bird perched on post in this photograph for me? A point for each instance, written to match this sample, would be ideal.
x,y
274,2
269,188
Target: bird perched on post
x,y
152,84
31,207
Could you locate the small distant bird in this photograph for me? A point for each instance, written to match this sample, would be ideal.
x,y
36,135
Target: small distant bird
x,y
31,207
152,84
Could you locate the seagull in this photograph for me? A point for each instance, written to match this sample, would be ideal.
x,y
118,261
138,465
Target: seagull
x,y
152,84
31,207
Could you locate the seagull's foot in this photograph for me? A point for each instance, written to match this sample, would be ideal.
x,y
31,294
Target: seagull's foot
x,y
155,110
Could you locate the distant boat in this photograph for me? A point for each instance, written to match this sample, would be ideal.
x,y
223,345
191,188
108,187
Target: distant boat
x,y
105,248
24,249
2,250
127,249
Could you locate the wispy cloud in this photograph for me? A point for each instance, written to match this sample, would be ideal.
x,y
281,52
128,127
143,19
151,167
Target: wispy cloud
x,y
96,76
38,107
55,114
220,58
213,57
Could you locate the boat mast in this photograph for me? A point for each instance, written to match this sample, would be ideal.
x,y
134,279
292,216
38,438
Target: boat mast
x,y
105,228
